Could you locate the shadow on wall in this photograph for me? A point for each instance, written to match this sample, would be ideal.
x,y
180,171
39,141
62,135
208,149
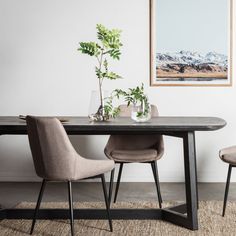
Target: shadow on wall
x,y
91,147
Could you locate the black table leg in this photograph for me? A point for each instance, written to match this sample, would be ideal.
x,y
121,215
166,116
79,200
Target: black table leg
x,y
190,179
175,214
0,204
195,154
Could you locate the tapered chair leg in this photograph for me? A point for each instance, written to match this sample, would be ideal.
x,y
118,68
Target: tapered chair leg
x,y
38,205
156,178
70,196
118,181
227,189
111,185
106,201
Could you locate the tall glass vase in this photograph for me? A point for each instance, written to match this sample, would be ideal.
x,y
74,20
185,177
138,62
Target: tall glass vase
x,y
96,106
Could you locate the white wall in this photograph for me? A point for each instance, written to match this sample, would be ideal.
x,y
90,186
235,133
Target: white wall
x,y
42,73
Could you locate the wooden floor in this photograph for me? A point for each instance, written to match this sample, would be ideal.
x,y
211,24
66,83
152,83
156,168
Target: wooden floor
x,y
13,193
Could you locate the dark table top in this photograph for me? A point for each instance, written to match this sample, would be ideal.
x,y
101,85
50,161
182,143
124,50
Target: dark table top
x,y
82,125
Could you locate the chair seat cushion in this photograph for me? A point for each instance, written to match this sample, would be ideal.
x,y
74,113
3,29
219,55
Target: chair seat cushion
x,y
86,168
134,155
229,155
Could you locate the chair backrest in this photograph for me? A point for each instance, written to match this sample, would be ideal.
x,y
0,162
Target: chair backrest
x,y
134,142
53,154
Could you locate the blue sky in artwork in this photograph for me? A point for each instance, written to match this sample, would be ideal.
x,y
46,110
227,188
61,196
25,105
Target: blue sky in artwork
x,y
192,25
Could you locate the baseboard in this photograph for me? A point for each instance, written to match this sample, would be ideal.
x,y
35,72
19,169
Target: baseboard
x,y
165,176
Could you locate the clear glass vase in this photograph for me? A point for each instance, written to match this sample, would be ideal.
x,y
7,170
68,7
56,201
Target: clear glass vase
x,y
96,106
141,112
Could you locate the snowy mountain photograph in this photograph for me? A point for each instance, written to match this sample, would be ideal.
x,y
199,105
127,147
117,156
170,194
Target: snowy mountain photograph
x,y
187,64
191,44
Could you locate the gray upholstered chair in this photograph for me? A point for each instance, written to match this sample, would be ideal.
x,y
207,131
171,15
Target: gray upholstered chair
x,y
228,155
136,149
55,159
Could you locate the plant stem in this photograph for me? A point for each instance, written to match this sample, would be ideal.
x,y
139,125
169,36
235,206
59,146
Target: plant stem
x,y
100,83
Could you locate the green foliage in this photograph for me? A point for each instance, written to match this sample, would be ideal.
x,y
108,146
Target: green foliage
x,y
134,96
112,76
109,44
108,47
90,48
110,40
115,53
111,111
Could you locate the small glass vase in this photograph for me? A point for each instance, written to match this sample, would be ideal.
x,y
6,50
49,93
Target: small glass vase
x,y
96,106
141,112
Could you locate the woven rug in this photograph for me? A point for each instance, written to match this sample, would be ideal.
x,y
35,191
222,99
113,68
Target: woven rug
x,y
210,222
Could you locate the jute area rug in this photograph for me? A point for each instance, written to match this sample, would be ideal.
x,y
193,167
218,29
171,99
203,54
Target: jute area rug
x,y
210,222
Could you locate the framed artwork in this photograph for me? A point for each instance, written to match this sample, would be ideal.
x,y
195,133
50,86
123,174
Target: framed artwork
x,y
191,42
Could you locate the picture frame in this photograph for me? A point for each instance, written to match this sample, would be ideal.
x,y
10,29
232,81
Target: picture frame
x,y
192,54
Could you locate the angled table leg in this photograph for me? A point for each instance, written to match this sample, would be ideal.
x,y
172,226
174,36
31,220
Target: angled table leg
x,y
174,215
190,179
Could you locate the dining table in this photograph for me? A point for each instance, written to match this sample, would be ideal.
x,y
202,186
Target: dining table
x,y
184,127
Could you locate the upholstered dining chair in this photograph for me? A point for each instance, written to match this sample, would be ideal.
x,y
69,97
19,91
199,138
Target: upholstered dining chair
x,y
135,149
228,155
55,159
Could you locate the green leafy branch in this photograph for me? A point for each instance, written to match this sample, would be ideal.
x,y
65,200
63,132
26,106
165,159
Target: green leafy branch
x,y
109,109
109,45
132,96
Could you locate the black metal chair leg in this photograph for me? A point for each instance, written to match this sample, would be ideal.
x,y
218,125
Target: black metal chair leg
x,y
70,195
156,178
106,201
111,185
227,189
38,205
118,181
